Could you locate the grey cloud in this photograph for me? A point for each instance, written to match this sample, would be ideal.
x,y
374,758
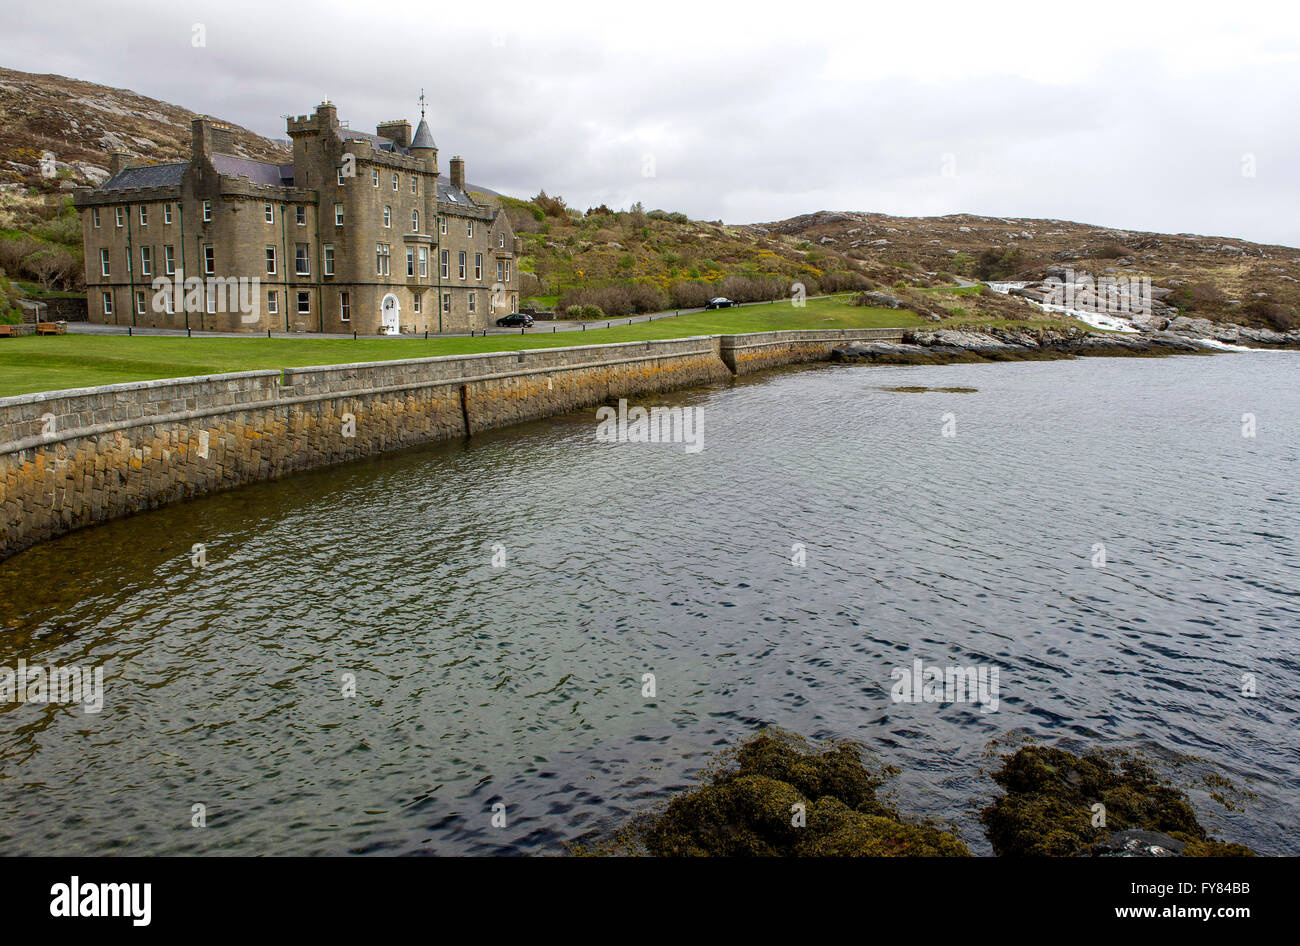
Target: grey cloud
x,y
744,133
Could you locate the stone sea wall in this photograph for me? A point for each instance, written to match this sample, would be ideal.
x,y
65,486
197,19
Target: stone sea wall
x,y
69,459
744,354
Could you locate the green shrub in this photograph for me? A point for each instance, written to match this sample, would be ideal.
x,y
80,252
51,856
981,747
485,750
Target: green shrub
x,y
1279,317
670,217
995,263
1200,295
690,293
551,206
617,299
10,314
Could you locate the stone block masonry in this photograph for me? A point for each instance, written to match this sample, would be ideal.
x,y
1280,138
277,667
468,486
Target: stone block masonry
x,y
744,354
70,459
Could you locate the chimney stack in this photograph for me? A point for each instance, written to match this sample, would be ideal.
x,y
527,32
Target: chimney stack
x,y
208,137
458,172
399,132
118,161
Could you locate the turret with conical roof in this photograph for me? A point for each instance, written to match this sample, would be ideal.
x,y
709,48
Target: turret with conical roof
x,y
422,145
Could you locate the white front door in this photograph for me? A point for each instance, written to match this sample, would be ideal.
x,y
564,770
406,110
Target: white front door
x,y
390,316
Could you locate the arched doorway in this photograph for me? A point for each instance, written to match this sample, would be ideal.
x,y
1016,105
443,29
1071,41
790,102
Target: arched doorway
x,y
390,315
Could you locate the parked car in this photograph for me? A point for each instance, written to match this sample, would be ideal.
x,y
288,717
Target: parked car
x,y
515,320
720,303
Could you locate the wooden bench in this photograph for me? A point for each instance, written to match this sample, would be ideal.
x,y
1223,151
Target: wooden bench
x,y
6,330
51,328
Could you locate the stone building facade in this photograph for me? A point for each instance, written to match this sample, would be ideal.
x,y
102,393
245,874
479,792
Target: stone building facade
x,y
359,233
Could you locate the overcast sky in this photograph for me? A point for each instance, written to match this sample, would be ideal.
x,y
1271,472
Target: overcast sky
x,y
1169,117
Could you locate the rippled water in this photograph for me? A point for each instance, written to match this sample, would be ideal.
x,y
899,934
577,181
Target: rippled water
x,y
522,685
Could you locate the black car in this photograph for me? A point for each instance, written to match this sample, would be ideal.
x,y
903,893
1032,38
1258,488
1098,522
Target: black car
x,y
720,303
515,321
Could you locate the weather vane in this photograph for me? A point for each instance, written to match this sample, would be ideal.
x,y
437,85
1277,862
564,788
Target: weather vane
x,y
421,103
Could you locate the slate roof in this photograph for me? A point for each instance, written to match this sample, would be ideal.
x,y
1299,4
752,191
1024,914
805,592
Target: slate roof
x,y
150,175
423,137
376,142
453,194
259,172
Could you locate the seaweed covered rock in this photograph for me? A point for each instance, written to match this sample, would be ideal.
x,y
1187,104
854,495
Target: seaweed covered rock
x,y
836,830
745,816
1049,806
777,796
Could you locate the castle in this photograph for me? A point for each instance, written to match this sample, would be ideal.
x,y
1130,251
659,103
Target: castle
x,y
358,234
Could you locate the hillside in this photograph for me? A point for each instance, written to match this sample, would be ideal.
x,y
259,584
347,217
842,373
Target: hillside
x,y
81,122
1214,277
637,259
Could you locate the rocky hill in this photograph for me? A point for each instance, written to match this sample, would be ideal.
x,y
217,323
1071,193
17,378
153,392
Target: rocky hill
x,y
631,260
1218,278
79,123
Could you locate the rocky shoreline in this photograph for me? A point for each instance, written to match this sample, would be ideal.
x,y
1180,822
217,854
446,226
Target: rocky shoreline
x,y
989,343
779,795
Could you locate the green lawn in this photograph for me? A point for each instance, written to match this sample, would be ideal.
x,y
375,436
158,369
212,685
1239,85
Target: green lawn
x,y
47,363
